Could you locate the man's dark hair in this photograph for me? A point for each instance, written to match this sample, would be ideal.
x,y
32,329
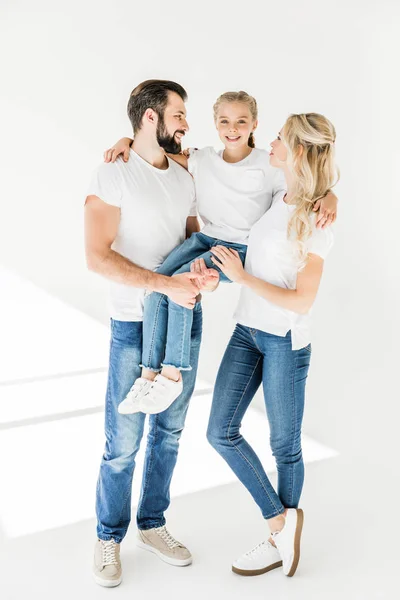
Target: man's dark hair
x,y
152,93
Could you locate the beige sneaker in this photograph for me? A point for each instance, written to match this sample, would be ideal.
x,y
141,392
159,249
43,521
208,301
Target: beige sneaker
x,y
161,542
107,569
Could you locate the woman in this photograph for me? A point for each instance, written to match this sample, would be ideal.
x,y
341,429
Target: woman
x,y
234,188
271,342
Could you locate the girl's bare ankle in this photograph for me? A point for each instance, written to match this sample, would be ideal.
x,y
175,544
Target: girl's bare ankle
x,y
171,373
149,375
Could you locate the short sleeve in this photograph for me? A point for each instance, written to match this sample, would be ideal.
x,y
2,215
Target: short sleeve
x,y
106,183
320,242
192,160
279,187
193,206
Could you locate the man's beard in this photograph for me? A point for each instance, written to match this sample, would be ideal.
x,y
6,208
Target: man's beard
x,y
167,141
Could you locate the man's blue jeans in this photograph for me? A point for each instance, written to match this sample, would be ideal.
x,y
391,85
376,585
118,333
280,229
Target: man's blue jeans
x,y
251,358
124,434
166,325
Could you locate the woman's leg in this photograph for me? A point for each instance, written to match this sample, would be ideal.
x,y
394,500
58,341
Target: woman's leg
x,y
239,377
284,379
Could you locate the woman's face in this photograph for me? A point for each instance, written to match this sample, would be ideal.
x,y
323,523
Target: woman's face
x,y
278,154
234,124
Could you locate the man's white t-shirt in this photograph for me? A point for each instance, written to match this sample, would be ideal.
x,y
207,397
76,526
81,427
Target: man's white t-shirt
x,y
231,197
154,207
271,256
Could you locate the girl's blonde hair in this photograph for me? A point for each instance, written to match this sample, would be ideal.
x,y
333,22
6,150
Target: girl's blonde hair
x,y
310,141
245,99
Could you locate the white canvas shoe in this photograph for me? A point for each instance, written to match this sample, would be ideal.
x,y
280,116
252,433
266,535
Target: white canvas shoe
x,y
259,560
288,540
131,404
162,393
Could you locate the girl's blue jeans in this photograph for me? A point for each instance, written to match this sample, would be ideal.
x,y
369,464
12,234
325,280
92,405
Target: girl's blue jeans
x,y
167,326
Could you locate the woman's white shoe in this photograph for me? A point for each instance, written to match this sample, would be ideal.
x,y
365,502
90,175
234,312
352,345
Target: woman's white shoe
x,y
259,560
288,540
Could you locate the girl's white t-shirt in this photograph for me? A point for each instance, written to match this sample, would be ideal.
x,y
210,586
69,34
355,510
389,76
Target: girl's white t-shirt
x,y
271,256
231,197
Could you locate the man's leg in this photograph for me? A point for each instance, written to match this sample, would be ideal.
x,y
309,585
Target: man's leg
x,y
162,452
123,434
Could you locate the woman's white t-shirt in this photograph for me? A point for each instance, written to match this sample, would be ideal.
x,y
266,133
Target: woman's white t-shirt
x,y
231,197
271,256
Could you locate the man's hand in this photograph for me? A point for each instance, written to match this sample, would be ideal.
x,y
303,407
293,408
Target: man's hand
x,y
327,208
208,279
183,289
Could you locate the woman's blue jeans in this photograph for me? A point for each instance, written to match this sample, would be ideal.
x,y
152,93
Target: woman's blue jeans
x,y
253,358
166,325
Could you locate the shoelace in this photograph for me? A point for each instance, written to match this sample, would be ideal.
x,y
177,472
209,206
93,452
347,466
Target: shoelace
x,y
109,555
167,537
262,546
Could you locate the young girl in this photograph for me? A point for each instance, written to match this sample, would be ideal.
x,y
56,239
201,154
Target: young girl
x,y
234,188
271,342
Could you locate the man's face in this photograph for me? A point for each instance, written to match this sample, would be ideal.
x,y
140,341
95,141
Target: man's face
x,y
172,126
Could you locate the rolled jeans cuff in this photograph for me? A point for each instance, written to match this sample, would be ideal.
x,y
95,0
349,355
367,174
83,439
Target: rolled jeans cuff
x,y
150,368
189,368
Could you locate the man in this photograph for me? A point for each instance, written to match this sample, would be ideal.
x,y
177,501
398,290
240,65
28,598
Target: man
x,y
135,214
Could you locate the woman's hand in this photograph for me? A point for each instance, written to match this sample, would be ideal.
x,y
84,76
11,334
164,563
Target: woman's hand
x,y
228,260
327,207
208,279
123,147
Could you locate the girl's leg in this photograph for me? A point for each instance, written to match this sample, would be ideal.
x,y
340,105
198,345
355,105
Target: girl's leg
x,y
177,346
238,379
156,305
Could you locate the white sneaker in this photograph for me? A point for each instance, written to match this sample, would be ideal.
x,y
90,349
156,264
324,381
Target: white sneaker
x,y
131,404
259,560
288,540
162,393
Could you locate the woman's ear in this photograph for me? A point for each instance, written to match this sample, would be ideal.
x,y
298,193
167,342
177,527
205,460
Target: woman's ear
x,y
300,150
255,125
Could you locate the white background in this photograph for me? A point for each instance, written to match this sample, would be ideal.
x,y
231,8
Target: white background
x,y
67,72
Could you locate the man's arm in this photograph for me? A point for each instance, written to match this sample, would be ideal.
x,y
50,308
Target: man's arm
x,y
101,227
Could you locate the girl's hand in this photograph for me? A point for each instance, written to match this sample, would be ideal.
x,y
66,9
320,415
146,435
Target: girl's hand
x,y
327,207
121,147
208,279
229,262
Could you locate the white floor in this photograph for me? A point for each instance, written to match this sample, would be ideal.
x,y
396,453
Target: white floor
x,y
51,395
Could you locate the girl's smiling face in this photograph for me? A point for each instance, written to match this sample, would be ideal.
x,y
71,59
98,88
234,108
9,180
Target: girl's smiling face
x,y
234,124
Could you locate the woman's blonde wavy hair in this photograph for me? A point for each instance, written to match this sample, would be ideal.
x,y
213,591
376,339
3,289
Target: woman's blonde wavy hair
x,y
244,98
310,142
